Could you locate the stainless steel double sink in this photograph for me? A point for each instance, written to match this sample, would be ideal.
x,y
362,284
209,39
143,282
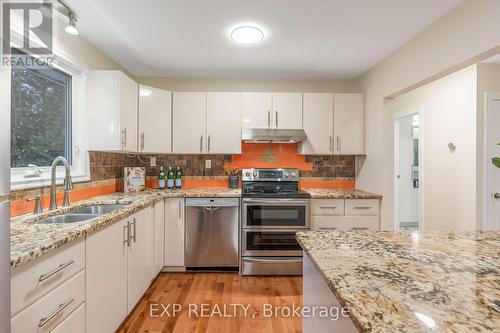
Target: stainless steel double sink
x,y
82,214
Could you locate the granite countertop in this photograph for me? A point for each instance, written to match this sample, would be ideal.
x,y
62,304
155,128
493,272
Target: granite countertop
x,y
412,282
29,239
341,193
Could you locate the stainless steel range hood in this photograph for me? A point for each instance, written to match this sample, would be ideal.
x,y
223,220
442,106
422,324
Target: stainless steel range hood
x,y
273,135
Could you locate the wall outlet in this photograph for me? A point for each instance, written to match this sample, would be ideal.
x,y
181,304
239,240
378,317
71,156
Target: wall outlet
x,y
208,164
152,161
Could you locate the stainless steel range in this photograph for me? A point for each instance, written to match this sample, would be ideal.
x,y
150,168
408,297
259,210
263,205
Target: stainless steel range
x,y
273,210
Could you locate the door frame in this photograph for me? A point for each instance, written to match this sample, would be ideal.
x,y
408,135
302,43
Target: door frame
x,y
397,116
489,97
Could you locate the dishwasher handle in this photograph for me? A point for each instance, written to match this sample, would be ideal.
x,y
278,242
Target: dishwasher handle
x,y
212,202
211,208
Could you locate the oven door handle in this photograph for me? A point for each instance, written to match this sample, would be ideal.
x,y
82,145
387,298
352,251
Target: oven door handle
x,y
271,261
275,202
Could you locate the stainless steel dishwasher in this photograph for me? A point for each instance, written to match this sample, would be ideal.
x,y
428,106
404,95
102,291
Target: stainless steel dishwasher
x,y
212,233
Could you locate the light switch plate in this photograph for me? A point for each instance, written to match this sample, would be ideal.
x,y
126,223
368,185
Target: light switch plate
x,y
152,160
208,164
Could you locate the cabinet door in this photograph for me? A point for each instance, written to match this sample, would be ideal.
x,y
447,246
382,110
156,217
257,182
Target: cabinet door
x,y
257,110
139,275
106,278
174,232
287,110
128,94
159,237
189,122
149,218
155,115
224,123
318,124
348,123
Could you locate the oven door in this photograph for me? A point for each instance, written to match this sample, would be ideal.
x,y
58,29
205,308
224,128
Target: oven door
x,y
275,213
277,242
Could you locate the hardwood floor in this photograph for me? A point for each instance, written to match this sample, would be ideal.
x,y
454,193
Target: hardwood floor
x,y
191,291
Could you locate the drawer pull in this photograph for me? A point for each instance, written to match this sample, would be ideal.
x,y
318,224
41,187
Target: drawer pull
x,y
363,207
360,228
61,307
55,271
333,207
327,228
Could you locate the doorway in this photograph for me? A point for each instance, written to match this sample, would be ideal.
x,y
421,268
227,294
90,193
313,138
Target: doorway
x,y
408,180
492,171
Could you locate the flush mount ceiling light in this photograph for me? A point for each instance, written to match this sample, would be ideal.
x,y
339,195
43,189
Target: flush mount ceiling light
x,y
247,34
145,92
71,28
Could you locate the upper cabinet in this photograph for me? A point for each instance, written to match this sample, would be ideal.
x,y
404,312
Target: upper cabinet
x,y
257,108
272,110
318,124
155,115
206,123
223,123
112,103
287,110
348,124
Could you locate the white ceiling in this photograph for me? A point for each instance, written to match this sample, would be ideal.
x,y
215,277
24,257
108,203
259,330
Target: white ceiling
x,y
304,38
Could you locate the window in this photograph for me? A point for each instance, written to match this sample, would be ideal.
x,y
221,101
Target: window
x,y
41,127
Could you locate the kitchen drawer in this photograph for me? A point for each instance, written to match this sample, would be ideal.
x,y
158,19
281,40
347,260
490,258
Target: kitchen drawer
x,y
345,223
31,281
49,311
327,206
75,323
362,207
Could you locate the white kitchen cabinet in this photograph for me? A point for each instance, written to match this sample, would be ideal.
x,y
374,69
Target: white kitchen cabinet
x,y
318,124
348,124
155,120
112,104
287,109
257,109
75,323
158,237
149,217
344,215
106,278
174,233
224,123
139,274
189,122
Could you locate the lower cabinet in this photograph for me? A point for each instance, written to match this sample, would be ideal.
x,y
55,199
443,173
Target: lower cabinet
x,y
343,215
158,237
75,323
174,233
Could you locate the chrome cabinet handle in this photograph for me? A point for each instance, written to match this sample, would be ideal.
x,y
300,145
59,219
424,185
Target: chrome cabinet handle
x,y
327,228
496,195
142,141
338,143
276,118
126,234
201,143
180,207
45,276
332,207
362,207
44,321
124,137
330,143
209,143
359,228
268,118
133,237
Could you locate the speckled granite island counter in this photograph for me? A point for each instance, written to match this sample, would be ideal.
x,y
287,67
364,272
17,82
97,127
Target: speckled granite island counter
x,y
29,239
410,282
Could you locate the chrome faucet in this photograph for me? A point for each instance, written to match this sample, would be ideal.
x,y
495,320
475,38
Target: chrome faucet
x,y
68,184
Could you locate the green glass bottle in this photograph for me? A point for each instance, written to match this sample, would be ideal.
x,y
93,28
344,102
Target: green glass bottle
x,y
161,179
178,178
170,178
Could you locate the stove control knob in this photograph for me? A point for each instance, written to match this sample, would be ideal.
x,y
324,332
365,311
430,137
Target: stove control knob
x,y
293,174
255,174
287,174
247,174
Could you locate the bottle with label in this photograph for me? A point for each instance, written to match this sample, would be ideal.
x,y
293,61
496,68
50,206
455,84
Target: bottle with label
x,y
170,178
161,179
178,178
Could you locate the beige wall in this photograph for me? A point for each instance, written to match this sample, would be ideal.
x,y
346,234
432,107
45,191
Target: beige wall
x,y
470,29
448,107
248,85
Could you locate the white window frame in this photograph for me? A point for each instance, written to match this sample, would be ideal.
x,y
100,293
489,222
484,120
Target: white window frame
x,y
80,168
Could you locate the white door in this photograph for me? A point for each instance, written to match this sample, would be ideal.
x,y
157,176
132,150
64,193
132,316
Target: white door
x,y
318,124
139,275
174,232
492,179
348,123
257,109
129,99
189,122
159,237
155,114
287,110
106,278
223,123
